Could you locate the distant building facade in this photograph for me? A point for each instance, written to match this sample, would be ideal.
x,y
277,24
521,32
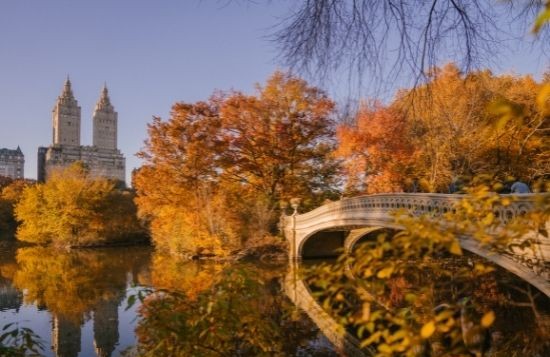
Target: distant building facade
x,y
12,163
103,158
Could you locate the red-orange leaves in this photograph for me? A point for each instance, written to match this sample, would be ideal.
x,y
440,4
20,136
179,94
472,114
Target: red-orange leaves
x,y
375,150
215,171
279,140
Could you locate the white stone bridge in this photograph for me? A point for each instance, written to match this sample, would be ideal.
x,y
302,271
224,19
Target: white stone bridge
x,y
340,224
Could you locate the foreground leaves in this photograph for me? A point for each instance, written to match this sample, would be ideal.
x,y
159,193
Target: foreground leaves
x,y
417,293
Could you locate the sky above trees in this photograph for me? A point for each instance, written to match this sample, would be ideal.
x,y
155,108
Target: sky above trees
x,y
151,54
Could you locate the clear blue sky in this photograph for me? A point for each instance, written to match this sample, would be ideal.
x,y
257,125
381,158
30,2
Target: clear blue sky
x,y
151,53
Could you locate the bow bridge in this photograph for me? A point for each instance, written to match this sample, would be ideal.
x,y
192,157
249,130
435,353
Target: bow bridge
x,y
341,224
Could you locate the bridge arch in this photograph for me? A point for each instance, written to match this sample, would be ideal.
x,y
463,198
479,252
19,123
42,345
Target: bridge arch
x,y
376,211
340,235
356,237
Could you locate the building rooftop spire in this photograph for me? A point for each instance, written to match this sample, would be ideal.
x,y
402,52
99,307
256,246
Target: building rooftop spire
x,y
67,96
104,102
67,90
105,91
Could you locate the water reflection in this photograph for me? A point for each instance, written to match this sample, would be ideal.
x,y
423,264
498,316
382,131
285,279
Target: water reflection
x,y
76,301
299,293
65,336
218,309
75,287
106,327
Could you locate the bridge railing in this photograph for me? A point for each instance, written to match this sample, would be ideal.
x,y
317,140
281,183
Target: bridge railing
x,y
416,203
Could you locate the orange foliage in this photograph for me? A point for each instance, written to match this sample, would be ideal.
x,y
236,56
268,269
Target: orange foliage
x,y
10,194
215,172
278,140
185,277
453,128
375,150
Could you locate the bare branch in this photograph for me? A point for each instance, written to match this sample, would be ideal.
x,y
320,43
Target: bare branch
x,y
394,39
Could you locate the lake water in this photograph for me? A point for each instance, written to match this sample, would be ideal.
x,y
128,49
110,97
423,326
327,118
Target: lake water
x,y
105,302
77,302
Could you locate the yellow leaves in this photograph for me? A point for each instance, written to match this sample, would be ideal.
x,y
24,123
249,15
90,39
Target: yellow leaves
x,y
385,272
73,209
373,338
488,319
482,268
467,206
385,349
455,248
427,330
365,312
367,273
488,219
542,19
505,111
339,297
429,307
543,97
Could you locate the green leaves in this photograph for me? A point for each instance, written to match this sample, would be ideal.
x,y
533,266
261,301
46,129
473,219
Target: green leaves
x,y
16,341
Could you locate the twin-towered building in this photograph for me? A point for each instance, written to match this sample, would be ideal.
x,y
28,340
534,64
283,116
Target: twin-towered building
x,y
103,158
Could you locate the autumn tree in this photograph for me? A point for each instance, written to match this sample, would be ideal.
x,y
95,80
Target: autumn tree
x,y
407,293
215,172
74,209
178,186
458,130
279,140
9,196
377,152
454,128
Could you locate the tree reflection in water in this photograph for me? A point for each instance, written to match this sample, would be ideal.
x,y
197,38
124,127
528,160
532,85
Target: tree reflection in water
x,y
194,308
213,309
230,309
76,285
